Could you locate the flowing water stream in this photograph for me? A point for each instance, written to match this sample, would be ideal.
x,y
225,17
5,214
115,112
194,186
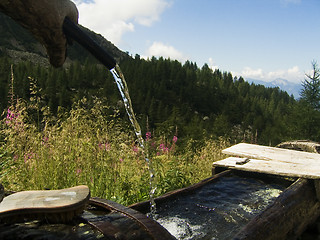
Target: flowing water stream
x,y
124,91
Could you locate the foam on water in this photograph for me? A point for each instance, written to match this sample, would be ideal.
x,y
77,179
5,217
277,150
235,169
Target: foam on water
x,y
181,228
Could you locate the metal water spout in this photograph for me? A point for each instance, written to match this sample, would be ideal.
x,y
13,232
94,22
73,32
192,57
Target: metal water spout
x,y
73,31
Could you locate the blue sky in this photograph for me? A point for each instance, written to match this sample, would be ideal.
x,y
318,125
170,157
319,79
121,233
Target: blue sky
x,y
260,39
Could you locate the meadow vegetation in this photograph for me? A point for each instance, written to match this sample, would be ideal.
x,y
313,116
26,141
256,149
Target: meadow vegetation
x,y
91,145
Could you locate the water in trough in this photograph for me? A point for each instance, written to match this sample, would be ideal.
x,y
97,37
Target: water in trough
x,y
218,210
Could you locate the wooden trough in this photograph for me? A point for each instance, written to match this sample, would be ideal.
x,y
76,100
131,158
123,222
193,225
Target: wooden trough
x,y
297,207
286,217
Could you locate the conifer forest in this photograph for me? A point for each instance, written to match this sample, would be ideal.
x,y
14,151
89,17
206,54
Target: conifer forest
x,y
168,97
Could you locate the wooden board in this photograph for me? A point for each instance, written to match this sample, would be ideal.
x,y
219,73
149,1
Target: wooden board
x,y
48,201
272,160
269,167
272,153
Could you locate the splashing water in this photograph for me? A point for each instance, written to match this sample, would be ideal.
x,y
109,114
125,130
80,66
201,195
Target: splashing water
x,y
124,91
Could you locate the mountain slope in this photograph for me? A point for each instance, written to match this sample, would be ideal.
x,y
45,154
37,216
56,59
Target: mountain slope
x,y
20,45
290,87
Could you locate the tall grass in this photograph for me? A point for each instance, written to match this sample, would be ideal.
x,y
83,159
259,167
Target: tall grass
x,y
89,145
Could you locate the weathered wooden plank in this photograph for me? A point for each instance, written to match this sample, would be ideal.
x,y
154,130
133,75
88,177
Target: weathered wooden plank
x,y
270,167
274,154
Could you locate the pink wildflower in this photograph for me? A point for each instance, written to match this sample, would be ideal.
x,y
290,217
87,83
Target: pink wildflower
x,y
78,171
28,156
148,135
135,149
10,116
45,140
175,139
161,146
105,146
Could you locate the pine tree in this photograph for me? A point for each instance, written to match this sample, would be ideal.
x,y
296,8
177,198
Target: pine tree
x,y
311,87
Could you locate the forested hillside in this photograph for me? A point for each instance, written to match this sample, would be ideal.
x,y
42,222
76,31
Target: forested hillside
x,y
168,97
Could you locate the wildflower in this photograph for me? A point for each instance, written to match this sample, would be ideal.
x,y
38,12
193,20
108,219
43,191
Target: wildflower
x,y
121,160
105,146
148,135
10,116
78,171
45,140
162,146
135,149
28,156
175,139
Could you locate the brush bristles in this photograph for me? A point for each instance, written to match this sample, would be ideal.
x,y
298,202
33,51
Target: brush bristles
x,y
57,217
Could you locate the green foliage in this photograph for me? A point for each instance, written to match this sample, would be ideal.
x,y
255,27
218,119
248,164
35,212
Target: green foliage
x,y
311,88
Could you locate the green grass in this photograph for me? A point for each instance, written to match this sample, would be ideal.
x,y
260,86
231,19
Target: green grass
x,y
90,145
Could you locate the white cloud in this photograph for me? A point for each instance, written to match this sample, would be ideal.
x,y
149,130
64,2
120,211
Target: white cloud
x,y
112,18
252,73
212,64
159,49
292,74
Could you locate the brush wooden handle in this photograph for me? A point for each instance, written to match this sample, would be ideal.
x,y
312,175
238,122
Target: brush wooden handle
x,y
44,202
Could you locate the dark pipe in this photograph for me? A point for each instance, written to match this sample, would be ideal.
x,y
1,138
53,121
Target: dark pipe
x,y
73,31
